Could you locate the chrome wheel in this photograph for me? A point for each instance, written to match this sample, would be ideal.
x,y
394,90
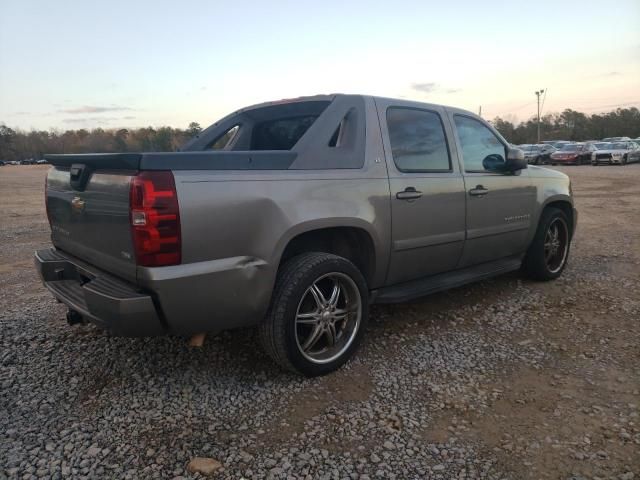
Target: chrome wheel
x,y
556,245
328,317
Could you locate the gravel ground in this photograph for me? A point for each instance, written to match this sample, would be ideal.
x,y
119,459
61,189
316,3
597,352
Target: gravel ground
x,y
505,379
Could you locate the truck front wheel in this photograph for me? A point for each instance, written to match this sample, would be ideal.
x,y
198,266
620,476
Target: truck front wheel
x,y
317,315
548,253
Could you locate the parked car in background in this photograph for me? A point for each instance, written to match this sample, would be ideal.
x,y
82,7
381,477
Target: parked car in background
x,y
537,154
42,161
616,139
573,153
14,162
2,164
634,155
614,153
597,144
558,144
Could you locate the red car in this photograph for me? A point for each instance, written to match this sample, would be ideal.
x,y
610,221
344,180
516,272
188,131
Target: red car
x,y
573,153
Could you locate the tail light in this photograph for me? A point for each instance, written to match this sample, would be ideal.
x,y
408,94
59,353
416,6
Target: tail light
x,y
155,219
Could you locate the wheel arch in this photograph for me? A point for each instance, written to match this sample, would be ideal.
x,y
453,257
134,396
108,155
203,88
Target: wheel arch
x,y
565,205
353,240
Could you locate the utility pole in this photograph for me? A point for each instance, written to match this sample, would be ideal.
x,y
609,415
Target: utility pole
x,y
538,93
480,111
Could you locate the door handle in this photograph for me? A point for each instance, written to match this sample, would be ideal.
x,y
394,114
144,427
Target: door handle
x,y
478,191
409,193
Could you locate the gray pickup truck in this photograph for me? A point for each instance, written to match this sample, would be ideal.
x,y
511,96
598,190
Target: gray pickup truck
x,y
295,216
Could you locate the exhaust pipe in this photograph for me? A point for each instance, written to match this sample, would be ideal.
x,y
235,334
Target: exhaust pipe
x,y
197,340
74,318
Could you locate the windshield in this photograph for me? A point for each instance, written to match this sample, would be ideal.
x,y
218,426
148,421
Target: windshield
x,y
529,148
617,146
572,147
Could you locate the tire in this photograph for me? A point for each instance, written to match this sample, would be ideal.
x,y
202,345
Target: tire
x,y
624,160
538,263
298,311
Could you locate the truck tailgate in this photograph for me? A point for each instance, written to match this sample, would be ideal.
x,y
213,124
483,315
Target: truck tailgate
x,y
88,208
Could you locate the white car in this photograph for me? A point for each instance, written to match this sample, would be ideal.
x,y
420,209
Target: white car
x,y
616,139
614,153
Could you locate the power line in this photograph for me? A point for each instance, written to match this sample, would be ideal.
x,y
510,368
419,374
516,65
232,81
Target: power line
x,y
515,109
615,105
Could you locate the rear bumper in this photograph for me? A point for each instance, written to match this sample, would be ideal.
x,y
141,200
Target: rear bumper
x,y
562,161
100,298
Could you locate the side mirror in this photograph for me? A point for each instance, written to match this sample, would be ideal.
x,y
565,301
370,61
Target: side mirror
x,y
496,163
515,160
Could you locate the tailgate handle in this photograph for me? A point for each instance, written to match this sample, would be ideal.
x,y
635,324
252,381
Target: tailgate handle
x,y
79,174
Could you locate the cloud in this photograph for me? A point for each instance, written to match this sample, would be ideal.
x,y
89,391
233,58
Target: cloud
x,y
93,109
425,87
613,73
98,120
431,87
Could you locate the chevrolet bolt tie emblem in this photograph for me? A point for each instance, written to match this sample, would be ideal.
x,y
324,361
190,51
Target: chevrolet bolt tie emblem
x,y
77,205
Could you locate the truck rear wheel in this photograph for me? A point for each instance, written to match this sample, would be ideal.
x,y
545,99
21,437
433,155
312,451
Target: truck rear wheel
x,y
548,253
318,314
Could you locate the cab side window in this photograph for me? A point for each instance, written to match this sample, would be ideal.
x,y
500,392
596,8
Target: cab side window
x,y
224,140
478,144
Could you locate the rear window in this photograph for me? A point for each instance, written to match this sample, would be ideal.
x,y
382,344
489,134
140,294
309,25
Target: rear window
x,y
280,134
271,126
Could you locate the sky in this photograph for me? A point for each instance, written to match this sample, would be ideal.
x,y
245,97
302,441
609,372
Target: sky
x,y
80,64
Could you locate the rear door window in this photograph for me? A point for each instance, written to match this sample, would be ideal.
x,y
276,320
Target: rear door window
x,y
418,141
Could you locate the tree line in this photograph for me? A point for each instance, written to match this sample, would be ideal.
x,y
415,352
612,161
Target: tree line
x,y
16,144
573,125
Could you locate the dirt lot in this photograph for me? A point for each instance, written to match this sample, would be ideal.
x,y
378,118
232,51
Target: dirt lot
x,y
503,379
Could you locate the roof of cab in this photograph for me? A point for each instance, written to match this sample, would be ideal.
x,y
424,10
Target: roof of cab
x,y
331,96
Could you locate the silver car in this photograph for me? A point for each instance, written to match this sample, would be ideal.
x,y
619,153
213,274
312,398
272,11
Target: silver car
x,y
614,153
